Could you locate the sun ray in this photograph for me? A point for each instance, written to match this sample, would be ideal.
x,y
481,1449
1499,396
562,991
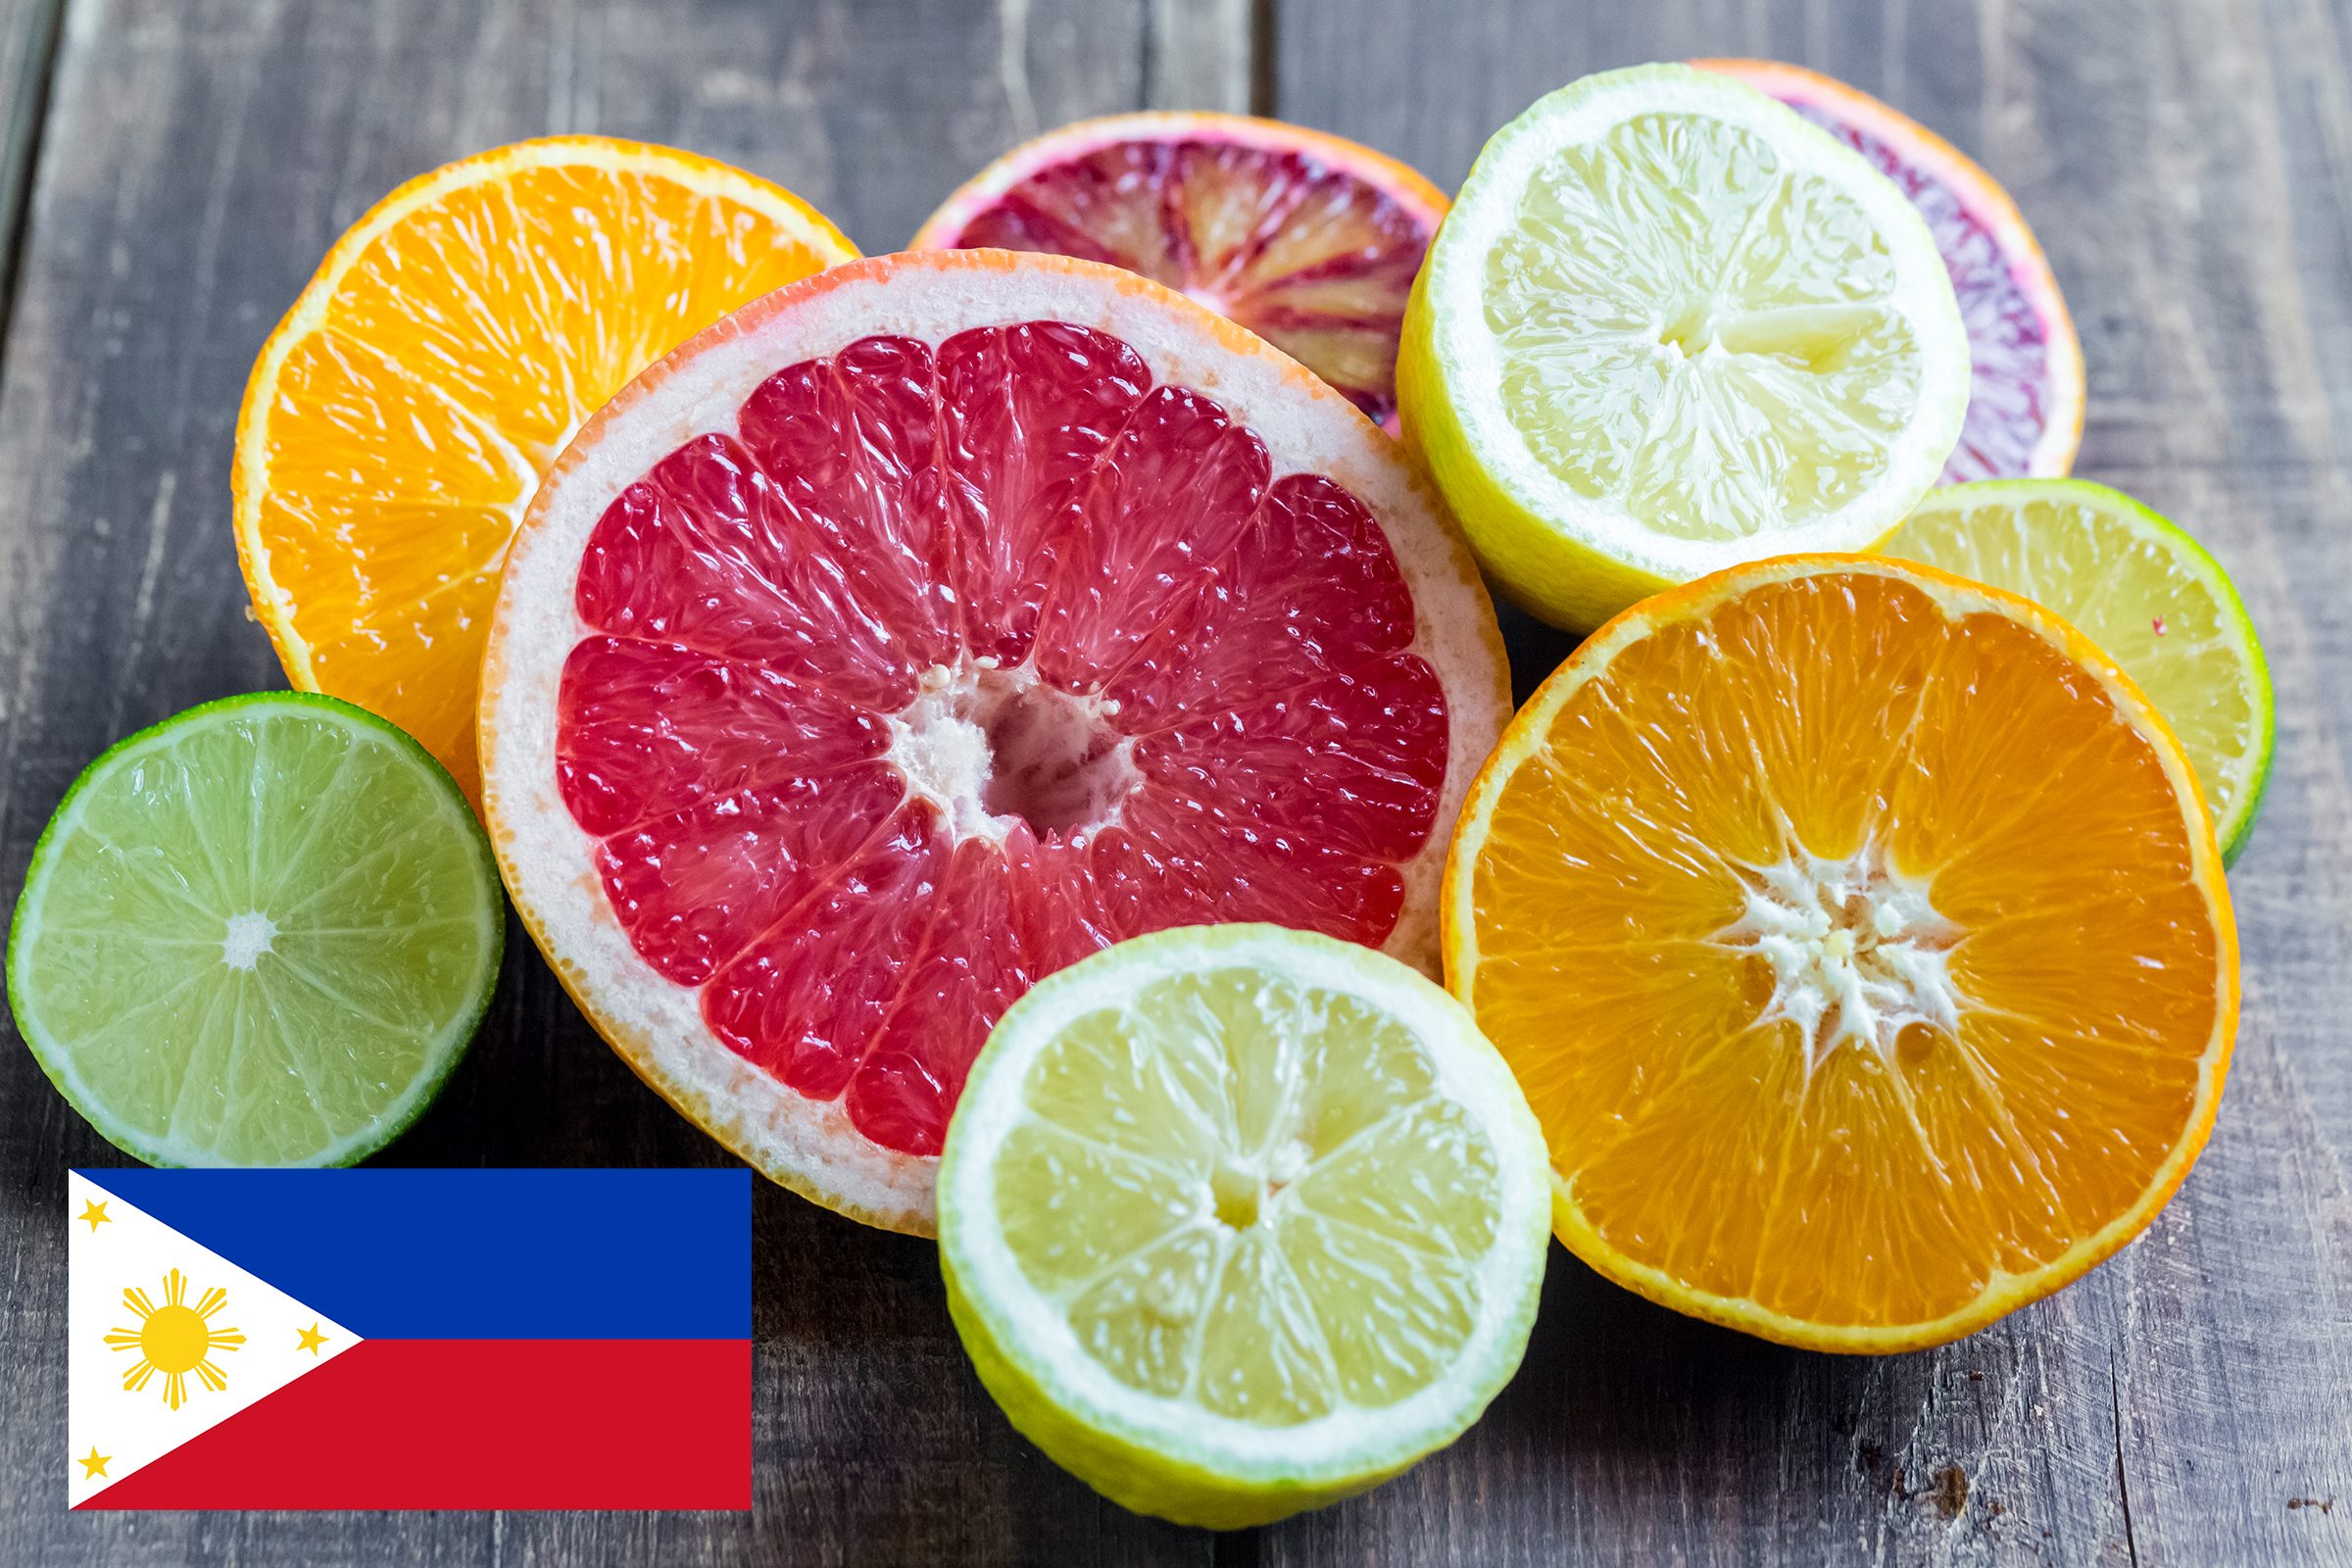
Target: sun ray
x,y
174,1339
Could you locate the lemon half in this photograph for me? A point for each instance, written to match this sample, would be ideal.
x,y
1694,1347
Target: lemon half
x,y
1238,1220
1670,326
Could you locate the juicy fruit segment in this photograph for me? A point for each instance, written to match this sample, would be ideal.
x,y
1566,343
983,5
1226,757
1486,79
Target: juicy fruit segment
x,y
1860,943
259,934
2141,588
2025,407
1750,368
1242,1202
398,421
1308,241
1252,1304
945,668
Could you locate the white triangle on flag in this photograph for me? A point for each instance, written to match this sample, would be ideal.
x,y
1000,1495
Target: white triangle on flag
x,y
256,1338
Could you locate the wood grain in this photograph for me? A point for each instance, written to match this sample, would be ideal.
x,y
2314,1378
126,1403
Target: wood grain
x,y
198,160
2188,168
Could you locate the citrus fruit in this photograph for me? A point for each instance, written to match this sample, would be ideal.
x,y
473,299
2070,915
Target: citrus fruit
x,y
2143,590
1238,1220
260,933
1668,327
399,418
930,624
1307,239
2025,404
1860,940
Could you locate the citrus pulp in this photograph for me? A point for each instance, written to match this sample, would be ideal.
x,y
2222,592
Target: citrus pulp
x,y
2025,404
1859,937
930,624
260,933
397,421
1238,1220
1670,325
1307,239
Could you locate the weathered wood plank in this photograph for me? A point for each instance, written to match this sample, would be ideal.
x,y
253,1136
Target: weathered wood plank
x,y
2179,161
201,155
27,45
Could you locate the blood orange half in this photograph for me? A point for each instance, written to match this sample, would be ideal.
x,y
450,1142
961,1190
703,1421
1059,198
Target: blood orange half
x,y
1307,239
929,625
2025,407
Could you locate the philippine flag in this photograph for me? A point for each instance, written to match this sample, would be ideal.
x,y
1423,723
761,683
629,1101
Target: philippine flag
x,y
409,1339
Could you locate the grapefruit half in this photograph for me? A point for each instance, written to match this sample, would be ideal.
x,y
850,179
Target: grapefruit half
x,y
929,625
1308,240
2024,406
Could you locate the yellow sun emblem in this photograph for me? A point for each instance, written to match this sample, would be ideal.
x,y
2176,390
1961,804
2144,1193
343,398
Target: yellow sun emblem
x,y
174,1339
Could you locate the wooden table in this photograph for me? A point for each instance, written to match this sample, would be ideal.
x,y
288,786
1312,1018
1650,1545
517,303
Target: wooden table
x,y
174,169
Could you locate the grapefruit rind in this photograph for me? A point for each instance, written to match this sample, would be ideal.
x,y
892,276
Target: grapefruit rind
x,y
1528,735
547,859
1986,200
1574,561
1162,1455
249,475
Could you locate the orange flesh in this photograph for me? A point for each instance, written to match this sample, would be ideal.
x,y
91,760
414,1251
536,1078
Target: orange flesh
x,y
453,360
1874,1181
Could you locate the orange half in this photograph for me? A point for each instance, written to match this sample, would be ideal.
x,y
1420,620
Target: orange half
x,y
1859,937
398,421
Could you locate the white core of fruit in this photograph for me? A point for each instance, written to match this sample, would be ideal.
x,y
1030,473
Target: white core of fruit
x,y
993,747
1858,951
248,937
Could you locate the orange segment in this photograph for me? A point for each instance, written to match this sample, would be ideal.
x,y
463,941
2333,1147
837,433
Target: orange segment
x,y
1859,937
400,417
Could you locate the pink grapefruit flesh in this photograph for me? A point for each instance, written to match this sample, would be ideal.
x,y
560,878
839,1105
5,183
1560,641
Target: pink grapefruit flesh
x,y
1308,241
927,626
2025,408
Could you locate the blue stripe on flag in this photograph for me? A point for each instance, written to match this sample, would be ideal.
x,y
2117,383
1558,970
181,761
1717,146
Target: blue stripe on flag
x,y
479,1255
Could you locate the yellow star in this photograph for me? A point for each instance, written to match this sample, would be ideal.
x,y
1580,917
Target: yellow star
x,y
95,1213
94,1467
311,1339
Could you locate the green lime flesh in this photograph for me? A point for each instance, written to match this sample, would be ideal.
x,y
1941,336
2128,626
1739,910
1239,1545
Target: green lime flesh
x,y
2136,584
260,933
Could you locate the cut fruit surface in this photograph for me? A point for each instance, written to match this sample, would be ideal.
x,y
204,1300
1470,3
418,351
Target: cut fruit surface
x,y
260,933
1239,1220
2137,585
1669,326
930,625
2024,406
398,421
1860,940
1307,239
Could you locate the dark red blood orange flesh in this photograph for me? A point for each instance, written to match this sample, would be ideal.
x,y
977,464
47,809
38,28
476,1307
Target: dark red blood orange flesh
x,y
1316,259
947,669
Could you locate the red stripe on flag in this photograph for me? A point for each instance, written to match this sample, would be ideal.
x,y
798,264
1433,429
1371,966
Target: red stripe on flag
x,y
478,1424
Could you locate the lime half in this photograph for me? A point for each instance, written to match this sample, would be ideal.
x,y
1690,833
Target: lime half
x,y
2144,591
1238,1220
1669,326
260,933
